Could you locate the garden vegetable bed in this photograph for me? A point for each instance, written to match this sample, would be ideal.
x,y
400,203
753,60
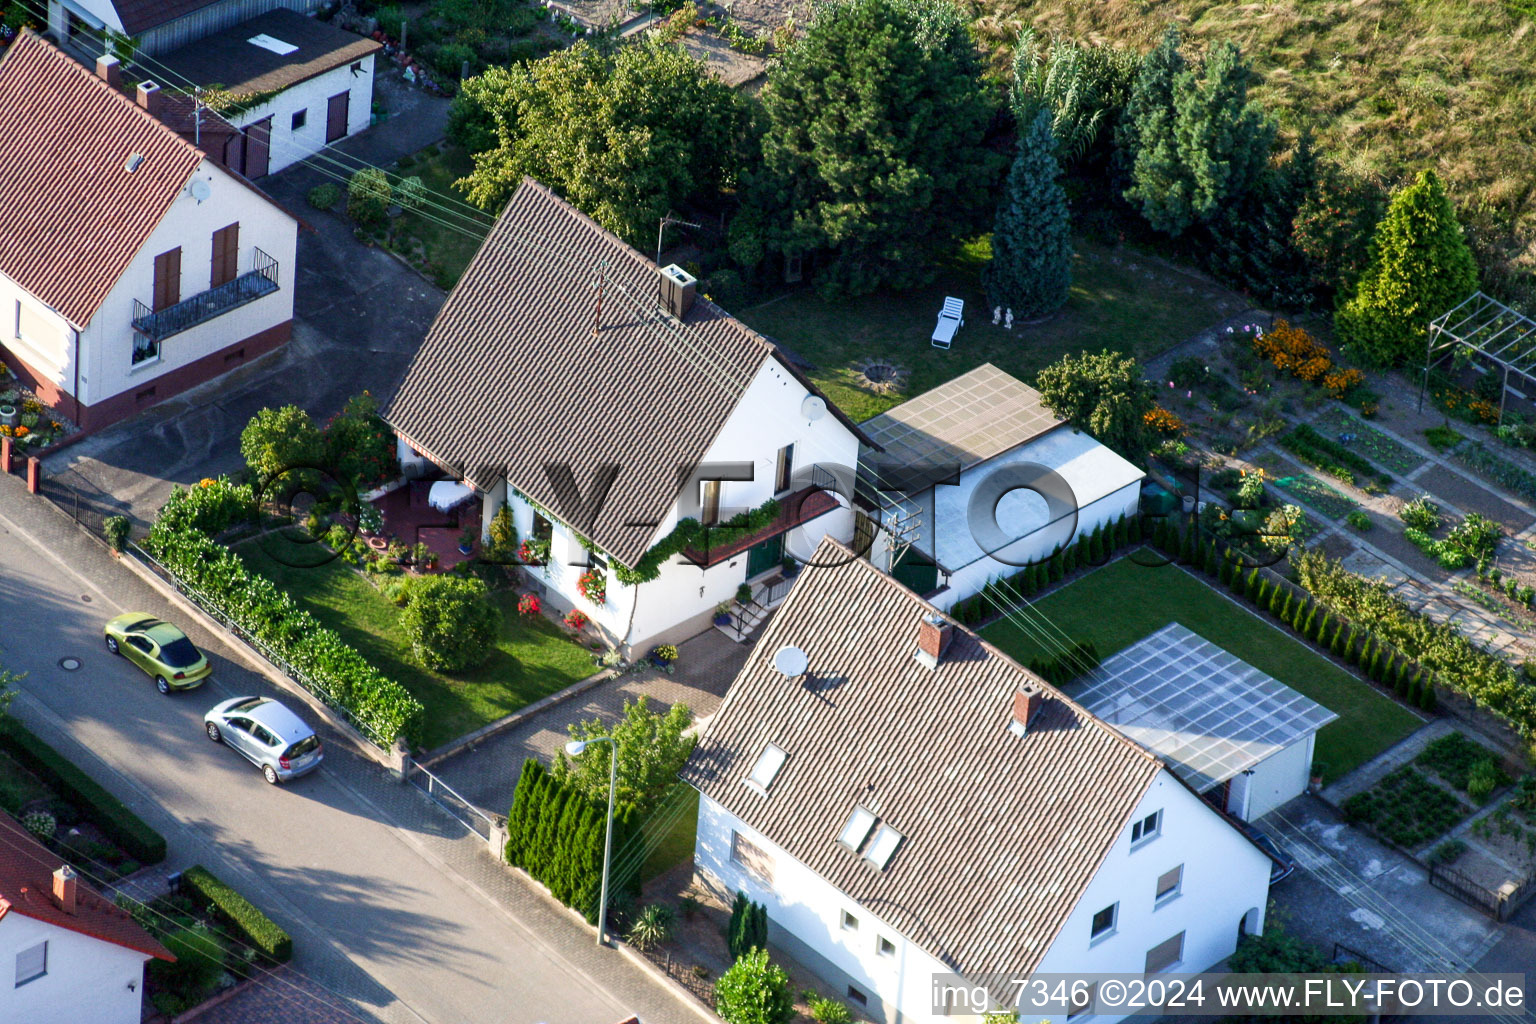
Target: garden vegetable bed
x,y
1378,446
1407,808
1309,489
1469,497
1497,470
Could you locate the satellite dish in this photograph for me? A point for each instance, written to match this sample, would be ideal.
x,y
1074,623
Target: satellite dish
x,y
200,189
791,662
813,408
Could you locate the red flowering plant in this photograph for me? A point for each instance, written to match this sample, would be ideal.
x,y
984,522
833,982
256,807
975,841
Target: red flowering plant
x,y
576,620
533,552
528,604
593,585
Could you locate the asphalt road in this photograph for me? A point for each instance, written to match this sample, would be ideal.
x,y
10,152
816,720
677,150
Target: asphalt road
x,y
359,868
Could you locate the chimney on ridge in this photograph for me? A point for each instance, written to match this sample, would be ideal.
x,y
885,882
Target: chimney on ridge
x,y
110,70
934,634
1026,703
678,289
149,97
64,892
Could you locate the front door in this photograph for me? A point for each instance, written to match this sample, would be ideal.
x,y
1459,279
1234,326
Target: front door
x,y
258,146
765,556
336,117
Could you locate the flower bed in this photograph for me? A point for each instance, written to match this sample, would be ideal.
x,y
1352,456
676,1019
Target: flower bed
x,y
1464,765
37,426
1317,494
1380,447
1497,470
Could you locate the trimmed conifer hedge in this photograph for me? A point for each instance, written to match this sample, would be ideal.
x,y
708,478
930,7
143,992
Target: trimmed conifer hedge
x,y
256,929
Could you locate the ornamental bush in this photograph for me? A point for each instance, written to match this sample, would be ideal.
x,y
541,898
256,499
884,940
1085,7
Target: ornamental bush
x,y
450,623
368,196
116,528
238,915
754,991
324,196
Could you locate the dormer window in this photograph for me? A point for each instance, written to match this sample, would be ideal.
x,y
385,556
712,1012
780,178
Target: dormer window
x,y
860,822
883,846
767,768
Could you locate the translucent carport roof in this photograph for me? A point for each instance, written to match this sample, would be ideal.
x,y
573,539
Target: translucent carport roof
x,y
1204,710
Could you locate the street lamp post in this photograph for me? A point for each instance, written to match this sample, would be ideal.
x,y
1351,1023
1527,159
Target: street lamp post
x,y
576,748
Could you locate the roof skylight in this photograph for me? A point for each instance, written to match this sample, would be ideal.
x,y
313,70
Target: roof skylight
x,y
273,44
767,767
857,829
883,846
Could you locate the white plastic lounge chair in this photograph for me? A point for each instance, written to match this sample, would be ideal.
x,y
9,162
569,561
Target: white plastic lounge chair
x,y
951,319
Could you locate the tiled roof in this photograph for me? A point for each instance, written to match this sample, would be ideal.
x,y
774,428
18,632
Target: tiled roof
x,y
74,215
970,419
231,60
512,380
26,888
1002,833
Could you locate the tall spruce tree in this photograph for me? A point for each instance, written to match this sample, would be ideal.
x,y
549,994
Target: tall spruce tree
x,y
1145,146
1420,266
1031,268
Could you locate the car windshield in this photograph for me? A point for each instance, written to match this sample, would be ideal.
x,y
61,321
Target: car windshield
x,y
304,746
245,705
179,653
141,625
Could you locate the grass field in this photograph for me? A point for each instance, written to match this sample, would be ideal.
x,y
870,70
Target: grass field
x,y
1121,299
448,241
1146,599
532,659
1388,86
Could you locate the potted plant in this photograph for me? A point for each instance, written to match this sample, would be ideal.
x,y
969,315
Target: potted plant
x,y
593,585
575,620
528,604
663,655
744,593
370,520
723,613
9,414
790,566
467,540
1318,768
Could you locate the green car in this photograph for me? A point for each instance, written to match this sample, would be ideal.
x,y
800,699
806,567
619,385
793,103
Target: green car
x,y
160,649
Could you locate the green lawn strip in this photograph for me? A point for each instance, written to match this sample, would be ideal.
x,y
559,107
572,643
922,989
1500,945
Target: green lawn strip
x,y
680,816
1317,494
1378,446
448,249
18,787
1111,306
533,658
1407,808
1146,599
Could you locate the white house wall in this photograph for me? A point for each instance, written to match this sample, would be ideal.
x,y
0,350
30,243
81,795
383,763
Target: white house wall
x,y
313,96
1225,884
38,335
87,980
107,342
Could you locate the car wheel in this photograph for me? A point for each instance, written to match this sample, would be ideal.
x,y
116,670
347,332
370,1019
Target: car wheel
x,y
112,645
269,773
213,732
162,685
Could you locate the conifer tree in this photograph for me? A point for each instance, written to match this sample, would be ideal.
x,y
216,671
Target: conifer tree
x,y
1031,268
1262,597
1253,583
1427,694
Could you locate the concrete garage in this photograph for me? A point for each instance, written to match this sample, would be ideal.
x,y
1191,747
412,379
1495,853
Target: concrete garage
x,y
1239,738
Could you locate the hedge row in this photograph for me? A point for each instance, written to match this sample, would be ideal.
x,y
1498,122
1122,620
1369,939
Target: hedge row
x,y
181,540
101,808
1091,548
256,929
556,835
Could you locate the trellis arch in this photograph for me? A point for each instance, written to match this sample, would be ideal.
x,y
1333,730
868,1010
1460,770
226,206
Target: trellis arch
x,y
1500,339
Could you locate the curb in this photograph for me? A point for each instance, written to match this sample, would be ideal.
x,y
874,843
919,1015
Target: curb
x,y
661,977
256,661
517,717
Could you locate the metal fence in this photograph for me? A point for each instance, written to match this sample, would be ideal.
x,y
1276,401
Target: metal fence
x,y
1498,904
701,988
446,797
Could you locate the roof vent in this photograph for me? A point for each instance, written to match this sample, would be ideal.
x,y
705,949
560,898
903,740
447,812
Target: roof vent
x,y
1026,704
934,634
134,162
110,70
65,892
791,662
678,289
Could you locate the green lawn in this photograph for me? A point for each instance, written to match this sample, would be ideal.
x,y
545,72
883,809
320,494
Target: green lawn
x,y
1146,599
679,814
532,659
448,241
1112,306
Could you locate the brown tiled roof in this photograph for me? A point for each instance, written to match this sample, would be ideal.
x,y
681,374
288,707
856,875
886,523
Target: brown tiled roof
x,y
1002,833
141,15
511,379
74,216
229,59
26,888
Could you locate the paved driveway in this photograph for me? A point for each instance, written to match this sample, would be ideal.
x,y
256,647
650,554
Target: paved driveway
x,y
359,316
394,909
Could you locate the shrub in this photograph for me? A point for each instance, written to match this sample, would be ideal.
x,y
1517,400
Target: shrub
x,y
323,197
410,193
754,991
1447,852
1359,520
748,927
1484,779
450,623
101,808
830,1011
652,927
368,196
41,824
357,445
250,925
198,965
277,441
116,528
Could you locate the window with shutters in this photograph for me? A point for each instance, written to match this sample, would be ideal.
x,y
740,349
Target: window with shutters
x,y
31,963
1165,954
784,469
167,279
226,254
1169,885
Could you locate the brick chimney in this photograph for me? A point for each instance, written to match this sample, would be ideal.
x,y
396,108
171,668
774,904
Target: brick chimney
x,y
934,634
149,97
110,70
1026,703
64,892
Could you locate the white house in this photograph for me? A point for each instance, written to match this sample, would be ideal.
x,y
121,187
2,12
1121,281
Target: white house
x,y
611,405
155,26
67,954
907,801
1238,737
132,265
979,479
300,83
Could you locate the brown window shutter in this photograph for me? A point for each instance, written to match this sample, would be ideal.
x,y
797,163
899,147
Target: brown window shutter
x,y
226,253
167,279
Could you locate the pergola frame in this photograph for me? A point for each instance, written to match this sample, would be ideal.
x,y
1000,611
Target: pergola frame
x,y
1491,331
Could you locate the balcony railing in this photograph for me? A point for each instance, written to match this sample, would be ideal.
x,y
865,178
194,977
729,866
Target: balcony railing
x,y
153,326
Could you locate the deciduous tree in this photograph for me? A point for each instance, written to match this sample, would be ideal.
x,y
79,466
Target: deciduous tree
x,y
1103,394
652,748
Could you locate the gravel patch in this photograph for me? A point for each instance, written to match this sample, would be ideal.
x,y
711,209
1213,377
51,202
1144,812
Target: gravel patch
x,y
1470,497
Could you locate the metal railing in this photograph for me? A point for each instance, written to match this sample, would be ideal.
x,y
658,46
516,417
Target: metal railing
x,y
446,797
154,326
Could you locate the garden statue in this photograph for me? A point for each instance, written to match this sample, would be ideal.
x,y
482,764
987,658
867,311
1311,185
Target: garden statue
x,y
1008,320
997,315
